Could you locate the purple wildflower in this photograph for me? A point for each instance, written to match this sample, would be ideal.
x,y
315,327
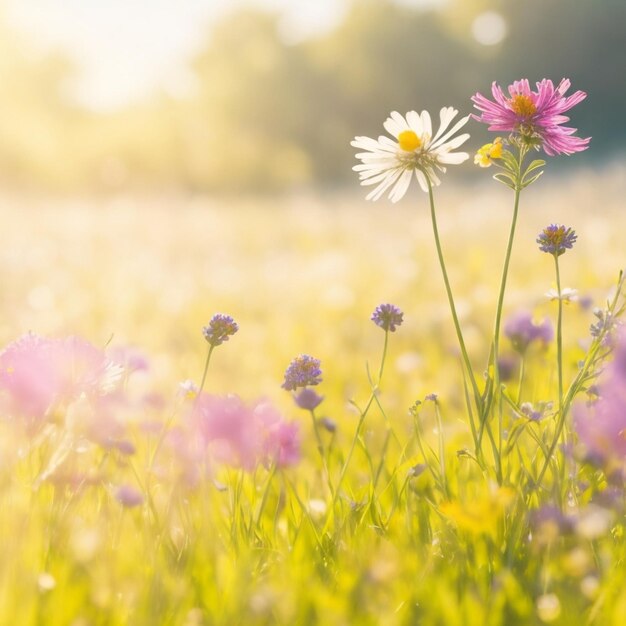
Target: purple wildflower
x,y
507,364
220,328
387,316
535,116
556,240
128,496
308,399
522,331
303,371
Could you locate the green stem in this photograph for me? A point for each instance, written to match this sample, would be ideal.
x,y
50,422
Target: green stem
x,y
559,335
520,382
495,350
562,412
357,434
455,318
206,369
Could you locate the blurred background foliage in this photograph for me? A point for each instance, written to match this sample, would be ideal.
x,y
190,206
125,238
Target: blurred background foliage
x,y
268,114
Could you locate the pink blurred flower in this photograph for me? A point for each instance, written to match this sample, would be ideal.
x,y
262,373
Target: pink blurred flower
x,y
131,358
536,116
601,428
128,496
225,430
38,373
281,443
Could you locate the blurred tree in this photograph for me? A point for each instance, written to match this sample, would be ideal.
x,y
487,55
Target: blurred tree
x,y
267,114
241,129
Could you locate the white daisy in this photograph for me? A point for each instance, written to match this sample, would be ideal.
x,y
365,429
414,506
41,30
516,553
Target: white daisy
x,y
390,163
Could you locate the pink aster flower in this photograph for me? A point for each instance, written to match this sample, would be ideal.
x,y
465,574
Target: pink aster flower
x,y
536,116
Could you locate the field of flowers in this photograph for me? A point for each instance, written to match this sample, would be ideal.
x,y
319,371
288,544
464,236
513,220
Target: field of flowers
x,y
258,411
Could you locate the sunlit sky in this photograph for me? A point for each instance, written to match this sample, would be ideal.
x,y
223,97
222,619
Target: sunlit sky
x,y
125,49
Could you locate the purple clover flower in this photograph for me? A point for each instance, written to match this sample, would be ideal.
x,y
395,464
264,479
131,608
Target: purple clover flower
x,y
522,331
387,316
303,371
556,240
220,328
536,117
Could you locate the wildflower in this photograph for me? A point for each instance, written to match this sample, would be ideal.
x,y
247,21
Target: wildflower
x,y
38,374
128,496
303,371
390,163
308,399
535,413
507,364
556,240
280,441
220,328
482,513
490,151
601,428
226,430
387,317
188,389
522,330
567,295
536,117
327,424
605,325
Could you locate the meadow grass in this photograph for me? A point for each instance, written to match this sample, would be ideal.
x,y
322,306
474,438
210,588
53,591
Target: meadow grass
x,y
411,530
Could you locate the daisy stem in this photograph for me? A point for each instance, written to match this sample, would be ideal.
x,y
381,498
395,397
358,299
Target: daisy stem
x,y
455,319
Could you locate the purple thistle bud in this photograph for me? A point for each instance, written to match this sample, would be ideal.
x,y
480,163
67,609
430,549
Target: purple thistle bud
x,y
328,424
220,328
507,364
304,370
556,240
308,399
387,316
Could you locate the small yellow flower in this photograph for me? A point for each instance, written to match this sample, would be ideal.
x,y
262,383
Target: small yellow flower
x,y
482,513
490,151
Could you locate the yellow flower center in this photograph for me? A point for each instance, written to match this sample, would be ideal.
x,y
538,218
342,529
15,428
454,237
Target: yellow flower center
x,y
409,140
523,105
